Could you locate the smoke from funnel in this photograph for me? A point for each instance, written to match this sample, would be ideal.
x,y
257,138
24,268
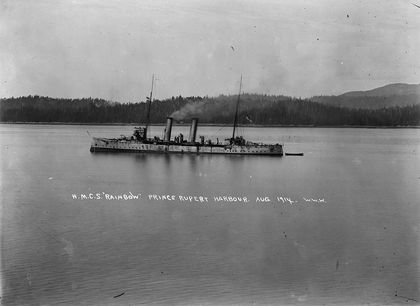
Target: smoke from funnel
x,y
206,109
192,109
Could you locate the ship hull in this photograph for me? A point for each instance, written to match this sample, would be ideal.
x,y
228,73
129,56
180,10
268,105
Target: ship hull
x,y
118,145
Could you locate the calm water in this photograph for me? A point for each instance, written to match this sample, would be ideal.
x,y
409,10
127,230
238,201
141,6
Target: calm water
x,y
359,246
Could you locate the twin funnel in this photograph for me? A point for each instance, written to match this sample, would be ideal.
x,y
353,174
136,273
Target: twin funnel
x,y
168,129
193,129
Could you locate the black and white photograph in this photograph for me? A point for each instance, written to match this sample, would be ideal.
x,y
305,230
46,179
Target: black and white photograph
x,y
209,152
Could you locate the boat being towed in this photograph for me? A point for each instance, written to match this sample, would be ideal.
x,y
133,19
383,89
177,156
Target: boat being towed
x,y
139,142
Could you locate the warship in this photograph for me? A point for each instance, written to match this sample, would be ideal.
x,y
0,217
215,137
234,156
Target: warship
x,y
140,142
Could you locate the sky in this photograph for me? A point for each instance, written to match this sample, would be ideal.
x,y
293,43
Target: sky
x,y
110,49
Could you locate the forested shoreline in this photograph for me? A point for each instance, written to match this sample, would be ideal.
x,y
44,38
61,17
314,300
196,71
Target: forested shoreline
x,y
254,110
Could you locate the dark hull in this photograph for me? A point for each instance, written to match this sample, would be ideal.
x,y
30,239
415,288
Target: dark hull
x,y
133,146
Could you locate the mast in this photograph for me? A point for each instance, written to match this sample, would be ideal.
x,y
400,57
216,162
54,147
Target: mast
x,y
148,107
235,122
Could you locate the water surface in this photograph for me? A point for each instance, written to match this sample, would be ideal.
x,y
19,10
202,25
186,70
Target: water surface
x,y
359,246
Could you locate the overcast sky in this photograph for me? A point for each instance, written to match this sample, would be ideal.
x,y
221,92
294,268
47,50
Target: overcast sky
x,y
110,49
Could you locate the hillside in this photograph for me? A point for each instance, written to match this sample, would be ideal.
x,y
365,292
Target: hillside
x,y
386,96
398,89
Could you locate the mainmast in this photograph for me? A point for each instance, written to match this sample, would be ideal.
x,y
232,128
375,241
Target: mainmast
x,y
148,107
235,122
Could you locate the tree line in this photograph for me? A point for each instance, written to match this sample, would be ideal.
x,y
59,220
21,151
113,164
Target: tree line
x,y
86,110
254,109
371,102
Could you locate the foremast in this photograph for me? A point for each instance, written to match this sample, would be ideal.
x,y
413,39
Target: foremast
x,y
149,104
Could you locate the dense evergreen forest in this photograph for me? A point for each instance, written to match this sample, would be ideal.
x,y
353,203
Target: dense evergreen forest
x,y
254,109
370,102
86,110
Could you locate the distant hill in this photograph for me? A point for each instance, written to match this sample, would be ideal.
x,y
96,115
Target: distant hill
x,y
398,89
399,94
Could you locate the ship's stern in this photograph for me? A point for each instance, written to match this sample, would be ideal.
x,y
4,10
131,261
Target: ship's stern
x,y
95,144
